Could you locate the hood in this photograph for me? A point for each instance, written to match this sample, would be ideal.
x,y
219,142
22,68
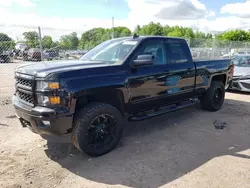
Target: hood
x,y
45,68
241,71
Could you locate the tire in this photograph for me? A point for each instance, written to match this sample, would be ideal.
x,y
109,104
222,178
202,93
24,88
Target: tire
x,y
209,100
86,124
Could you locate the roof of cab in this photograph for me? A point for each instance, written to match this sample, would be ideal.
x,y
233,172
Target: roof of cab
x,y
139,38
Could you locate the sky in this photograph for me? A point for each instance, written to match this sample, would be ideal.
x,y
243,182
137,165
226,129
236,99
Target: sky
x,y
80,15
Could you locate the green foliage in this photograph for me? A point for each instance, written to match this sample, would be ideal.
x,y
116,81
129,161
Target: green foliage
x,y
137,29
151,29
234,35
70,41
6,43
47,42
121,32
31,39
96,36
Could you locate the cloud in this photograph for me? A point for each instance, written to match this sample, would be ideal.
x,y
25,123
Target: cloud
x,y
188,13
17,23
238,9
23,3
168,10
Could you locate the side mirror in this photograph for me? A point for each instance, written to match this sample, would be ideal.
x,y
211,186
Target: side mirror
x,y
143,60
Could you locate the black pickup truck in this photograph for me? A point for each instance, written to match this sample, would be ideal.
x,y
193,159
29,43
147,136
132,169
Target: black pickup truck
x,y
133,77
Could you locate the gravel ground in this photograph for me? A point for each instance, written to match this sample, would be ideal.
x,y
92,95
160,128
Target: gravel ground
x,y
180,149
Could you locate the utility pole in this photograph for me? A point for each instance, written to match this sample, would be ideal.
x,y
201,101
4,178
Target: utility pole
x,y
113,29
40,42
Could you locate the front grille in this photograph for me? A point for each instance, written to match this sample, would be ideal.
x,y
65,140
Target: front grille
x,y
23,82
24,88
28,98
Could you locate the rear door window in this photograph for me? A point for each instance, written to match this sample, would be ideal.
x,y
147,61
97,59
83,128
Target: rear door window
x,y
177,51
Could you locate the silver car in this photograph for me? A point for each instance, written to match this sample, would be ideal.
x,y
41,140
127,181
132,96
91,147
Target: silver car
x,y
241,79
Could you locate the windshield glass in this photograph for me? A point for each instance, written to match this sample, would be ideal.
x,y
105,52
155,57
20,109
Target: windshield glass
x,y
110,51
242,61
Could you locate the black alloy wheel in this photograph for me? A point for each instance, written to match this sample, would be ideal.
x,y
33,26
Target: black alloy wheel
x,y
101,131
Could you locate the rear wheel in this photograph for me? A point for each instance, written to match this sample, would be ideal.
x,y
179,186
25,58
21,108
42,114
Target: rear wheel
x,y
214,97
97,129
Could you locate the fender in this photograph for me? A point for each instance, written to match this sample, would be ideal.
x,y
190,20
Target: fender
x,y
110,86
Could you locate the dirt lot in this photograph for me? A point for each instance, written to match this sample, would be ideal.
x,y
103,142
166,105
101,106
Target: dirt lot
x,y
181,149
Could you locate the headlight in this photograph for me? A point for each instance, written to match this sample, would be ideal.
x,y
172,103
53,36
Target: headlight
x,y
49,86
47,100
42,85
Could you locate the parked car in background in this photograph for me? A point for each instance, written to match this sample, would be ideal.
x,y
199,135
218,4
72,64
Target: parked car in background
x,y
50,54
241,78
33,54
242,53
5,56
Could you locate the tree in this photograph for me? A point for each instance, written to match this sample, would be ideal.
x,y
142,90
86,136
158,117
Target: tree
x,y
234,35
137,29
31,39
6,43
151,29
94,37
166,30
47,42
70,41
121,32
175,33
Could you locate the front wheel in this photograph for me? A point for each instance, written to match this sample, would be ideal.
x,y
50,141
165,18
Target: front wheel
x,y
97,129
214,97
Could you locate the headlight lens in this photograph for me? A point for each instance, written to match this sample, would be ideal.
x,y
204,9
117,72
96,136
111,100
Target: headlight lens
x,y
42,99
47,100
42,85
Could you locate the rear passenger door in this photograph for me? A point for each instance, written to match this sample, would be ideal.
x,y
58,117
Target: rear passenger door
x,y
181,70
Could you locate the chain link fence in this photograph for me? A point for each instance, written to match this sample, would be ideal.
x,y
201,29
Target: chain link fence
x,y
22,44
215,49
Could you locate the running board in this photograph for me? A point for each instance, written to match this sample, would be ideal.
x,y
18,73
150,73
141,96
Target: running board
x,y
161,110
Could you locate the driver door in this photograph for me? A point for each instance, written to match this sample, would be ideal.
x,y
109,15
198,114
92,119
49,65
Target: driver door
x,y
147,83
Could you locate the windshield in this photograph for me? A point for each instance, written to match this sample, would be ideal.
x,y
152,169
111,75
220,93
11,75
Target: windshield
x,y
242,61
110,51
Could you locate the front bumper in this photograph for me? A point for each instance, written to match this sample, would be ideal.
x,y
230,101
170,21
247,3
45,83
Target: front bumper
x,y
240,85
42,120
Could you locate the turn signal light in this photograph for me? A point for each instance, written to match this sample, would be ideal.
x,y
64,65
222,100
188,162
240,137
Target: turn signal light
x,y
54,85
54,100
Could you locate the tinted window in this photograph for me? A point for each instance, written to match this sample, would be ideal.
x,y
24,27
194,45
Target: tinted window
x,y
155,48
177,51
110,51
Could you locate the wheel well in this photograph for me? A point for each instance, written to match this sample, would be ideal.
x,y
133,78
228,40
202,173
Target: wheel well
x,y
114,98
220,78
